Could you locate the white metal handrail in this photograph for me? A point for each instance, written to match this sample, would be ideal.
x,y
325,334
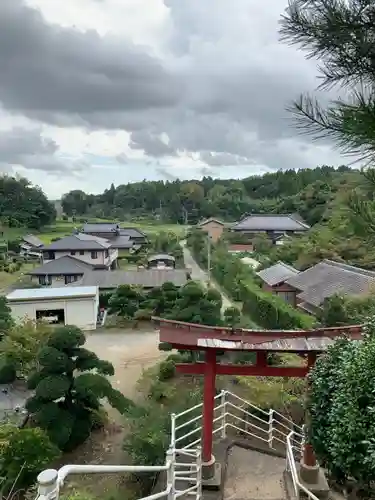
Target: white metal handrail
x,y
183,464
292,469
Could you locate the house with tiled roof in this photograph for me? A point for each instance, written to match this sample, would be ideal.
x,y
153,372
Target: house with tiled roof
x,y
120,237
328,278
213,227
274,279
275,226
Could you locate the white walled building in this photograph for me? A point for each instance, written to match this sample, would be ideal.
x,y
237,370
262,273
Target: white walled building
x,y
66,305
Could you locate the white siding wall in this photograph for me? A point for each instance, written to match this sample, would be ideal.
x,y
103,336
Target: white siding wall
x,y
86,257
81,312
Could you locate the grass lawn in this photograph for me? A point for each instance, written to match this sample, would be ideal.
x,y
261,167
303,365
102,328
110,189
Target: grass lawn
x,y
9,279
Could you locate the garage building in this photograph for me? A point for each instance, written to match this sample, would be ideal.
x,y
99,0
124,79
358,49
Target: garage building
x,y
66,305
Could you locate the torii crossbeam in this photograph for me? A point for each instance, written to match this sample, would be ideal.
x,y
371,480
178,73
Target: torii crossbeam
x,y
213,340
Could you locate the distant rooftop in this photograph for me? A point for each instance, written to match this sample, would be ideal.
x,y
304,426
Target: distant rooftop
x,y
26,294
33,240
161,256
148,278
63,265
100,227
270,222
79,241
278,273
329,278
211,219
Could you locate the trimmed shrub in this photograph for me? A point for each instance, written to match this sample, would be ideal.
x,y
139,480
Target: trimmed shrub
x,y
167,370
270,311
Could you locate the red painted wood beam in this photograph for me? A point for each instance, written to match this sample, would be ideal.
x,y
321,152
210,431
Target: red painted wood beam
x,y
245,370
209,368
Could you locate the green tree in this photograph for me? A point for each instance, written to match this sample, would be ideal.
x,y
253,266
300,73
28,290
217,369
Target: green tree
x,y
69,386
23,454
6,321
125,301
232,316
341,404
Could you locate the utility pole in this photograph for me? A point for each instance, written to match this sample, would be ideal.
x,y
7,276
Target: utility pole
x,y
209,258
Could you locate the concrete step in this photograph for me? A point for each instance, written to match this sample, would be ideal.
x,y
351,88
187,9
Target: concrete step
x,y
253,475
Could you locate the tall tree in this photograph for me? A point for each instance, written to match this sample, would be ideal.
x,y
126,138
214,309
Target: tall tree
x,y
341,36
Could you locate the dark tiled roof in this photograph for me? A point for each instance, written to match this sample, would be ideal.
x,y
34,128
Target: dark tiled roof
x,y
144,277
121,242
278,273
33,240
161,256
269,222
100,227
79,241
132,232
63,265
328,278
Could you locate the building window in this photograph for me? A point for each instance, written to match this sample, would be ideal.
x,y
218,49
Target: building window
x,y
72,252
49,255
94,255
70,279
289,297
45,280
81,252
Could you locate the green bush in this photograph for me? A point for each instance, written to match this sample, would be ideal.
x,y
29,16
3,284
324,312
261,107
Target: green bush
x,y
270,311
8,372
167,370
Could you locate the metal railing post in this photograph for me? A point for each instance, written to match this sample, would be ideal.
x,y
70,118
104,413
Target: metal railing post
x,y
48,487
270,428
223,414
170,473
199,473
173,430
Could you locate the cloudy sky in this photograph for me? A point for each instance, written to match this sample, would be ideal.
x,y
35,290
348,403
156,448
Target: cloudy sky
x,y
101,91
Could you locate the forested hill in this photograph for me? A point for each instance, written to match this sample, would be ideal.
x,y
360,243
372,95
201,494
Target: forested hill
x,y
309,192
23,205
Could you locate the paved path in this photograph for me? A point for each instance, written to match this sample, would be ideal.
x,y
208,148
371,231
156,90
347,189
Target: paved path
x,y
254,476
198,274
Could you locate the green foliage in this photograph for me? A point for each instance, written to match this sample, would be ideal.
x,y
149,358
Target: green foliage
x,y
232,316
23,205
167,370
8,373
342,310
69,385
6,321
125,301
270,311
341,406
23,454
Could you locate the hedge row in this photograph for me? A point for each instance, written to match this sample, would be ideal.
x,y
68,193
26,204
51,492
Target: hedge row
x,y
271,311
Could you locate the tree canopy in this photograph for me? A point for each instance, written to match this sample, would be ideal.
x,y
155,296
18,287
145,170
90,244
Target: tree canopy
x,y
24,205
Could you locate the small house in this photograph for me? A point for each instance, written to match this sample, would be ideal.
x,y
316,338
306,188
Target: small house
x,y
274,279
31,246
213,227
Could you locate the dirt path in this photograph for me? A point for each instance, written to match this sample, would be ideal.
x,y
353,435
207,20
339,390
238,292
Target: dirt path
x,y
131,352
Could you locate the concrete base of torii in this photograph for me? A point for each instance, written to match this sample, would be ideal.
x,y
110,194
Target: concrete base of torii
x,y
312,476
211,475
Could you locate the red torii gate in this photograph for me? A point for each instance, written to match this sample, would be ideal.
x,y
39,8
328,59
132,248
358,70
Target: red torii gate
x,y
211,340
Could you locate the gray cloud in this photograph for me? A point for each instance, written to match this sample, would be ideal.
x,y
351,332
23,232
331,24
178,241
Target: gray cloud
x,y
28,149
220,90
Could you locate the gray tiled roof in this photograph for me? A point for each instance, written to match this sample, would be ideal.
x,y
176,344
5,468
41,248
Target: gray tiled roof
x,y
33,240
132,232
121,242
278,273
142,277
100,227
161,256
79,241
328,278
63,265
269,222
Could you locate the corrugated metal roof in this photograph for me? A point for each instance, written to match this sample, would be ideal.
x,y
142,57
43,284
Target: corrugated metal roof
x,y
161,256
79,241
63,265
328,278
269,222
278,273
51,293
33,240
143,277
